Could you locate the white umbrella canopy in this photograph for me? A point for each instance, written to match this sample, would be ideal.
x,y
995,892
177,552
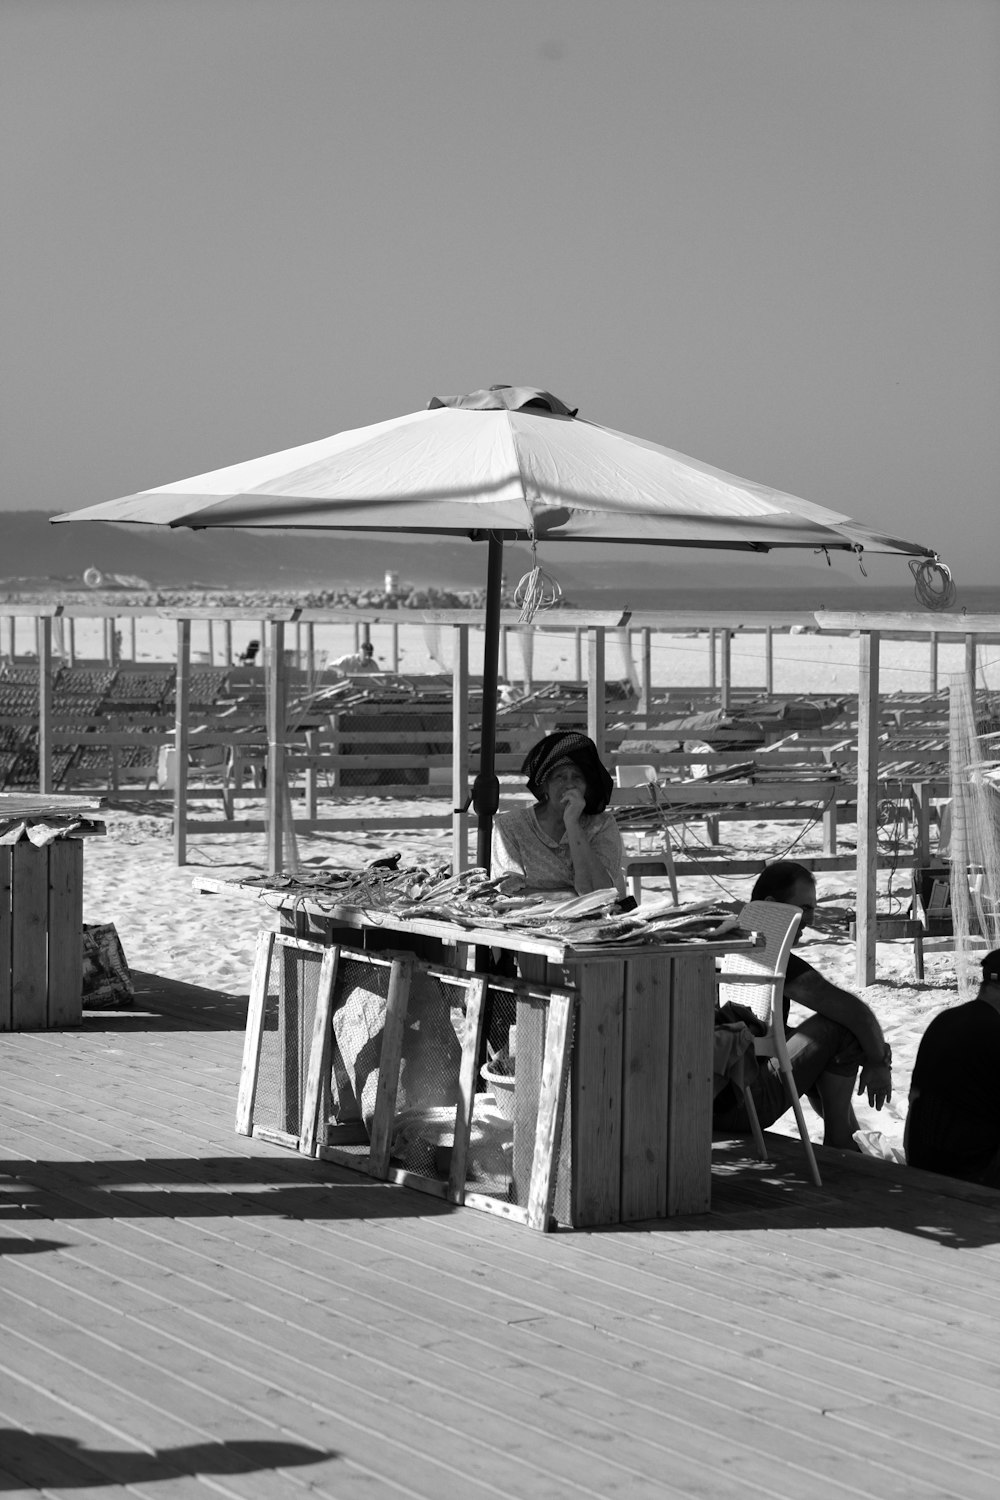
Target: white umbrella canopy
x,y
511,460
512,463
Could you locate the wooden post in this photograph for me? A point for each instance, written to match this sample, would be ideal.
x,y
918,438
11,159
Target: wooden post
x,y
647,677
357,636
394,647
595,687
711,660
312,751
181,725
7,638
43,635
460,749
934,661
769,660
578,655
527,644
211,642
275,713
311,651
131,637
227,642
502,665
727,675
970,669
70,642
868,662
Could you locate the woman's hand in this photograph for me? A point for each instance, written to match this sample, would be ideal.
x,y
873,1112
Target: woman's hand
x,y
572,804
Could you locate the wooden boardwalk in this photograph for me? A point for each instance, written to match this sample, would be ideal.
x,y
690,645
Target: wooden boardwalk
x,y
186,1313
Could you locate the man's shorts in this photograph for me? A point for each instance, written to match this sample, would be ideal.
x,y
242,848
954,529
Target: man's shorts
x,y
817,1046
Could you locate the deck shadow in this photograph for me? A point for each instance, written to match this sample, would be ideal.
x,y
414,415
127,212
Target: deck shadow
x,y
207,1187
164,1004
857,1192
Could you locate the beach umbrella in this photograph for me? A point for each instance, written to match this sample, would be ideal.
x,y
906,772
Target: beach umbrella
x,y
512,463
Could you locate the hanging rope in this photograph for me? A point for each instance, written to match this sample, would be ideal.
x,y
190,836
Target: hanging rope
x,y
536,590
934,585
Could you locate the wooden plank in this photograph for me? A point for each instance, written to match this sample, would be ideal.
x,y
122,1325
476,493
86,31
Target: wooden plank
x,y
531,1016
551,1106
30,939
596,1095
867,818
460,749
389,1062
645,1072
65,933
6,930
689,1085
942,624
319,1052
471,1041
254,1032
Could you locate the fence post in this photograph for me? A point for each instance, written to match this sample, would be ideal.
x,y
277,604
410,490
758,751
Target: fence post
x,y
595,687
181,706
868,654
276,717
43,632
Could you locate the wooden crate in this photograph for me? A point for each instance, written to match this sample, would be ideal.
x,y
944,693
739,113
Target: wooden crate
x,y
41,935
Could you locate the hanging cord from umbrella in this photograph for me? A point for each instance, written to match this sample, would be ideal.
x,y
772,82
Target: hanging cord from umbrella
x,y
536,590
935,587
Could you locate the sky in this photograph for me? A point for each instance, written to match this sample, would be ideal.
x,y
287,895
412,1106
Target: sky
x,y
761,232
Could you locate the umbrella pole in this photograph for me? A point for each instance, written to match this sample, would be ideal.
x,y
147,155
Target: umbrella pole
x,y
486,787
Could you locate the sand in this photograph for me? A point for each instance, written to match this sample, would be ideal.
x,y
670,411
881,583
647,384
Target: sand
x,y
167,928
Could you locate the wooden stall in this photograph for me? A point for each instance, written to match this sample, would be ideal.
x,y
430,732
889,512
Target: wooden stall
x,y
41,913
612,1084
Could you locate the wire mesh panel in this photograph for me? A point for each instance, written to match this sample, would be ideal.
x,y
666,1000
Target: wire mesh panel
x,y
289,980
423,1087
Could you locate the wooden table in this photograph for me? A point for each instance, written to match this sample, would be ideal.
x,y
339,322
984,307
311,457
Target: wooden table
x,y
637,1127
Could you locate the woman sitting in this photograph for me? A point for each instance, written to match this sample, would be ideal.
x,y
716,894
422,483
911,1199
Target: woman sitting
x,y
567,840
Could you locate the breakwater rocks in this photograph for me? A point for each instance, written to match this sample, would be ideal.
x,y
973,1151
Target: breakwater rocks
x,y
408,597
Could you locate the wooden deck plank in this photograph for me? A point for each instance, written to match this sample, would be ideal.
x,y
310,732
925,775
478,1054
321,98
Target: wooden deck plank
x,y
694,1356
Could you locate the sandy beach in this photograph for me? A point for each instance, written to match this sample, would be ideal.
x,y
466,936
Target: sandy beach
x,y
167,928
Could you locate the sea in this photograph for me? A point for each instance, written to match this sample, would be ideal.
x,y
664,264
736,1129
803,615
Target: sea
x,y
874,599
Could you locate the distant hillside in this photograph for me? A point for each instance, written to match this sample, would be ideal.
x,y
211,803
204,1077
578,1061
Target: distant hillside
x,y
34,553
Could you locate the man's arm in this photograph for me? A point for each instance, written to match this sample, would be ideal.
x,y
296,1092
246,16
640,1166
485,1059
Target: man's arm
x,y
818,994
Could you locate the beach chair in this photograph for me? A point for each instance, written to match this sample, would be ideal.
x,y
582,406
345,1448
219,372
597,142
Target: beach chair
x,y
756,979
629,776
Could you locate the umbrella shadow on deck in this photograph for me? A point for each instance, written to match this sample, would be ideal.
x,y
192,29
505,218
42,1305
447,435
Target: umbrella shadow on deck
x,y
38,1459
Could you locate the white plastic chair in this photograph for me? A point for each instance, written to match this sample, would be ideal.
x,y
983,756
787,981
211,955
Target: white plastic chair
x,y
756,979
627,776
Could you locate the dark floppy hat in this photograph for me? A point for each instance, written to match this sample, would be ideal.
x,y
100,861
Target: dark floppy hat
x,y
567,744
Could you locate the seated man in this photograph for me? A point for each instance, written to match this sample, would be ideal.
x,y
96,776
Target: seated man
x,y
827,1050
357,661
953,1124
